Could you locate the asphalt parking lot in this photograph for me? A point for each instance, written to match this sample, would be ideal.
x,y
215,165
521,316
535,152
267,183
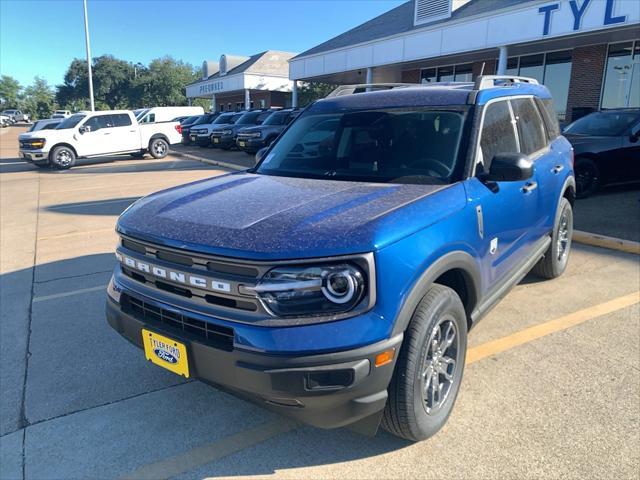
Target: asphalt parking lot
x,y
551,387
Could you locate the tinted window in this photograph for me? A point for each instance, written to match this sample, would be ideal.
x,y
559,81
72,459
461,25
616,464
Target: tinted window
x,y
530,127
121,120
225,118
551,120
607,124
248,118
498,135
385,146
98,122
151,118
50,126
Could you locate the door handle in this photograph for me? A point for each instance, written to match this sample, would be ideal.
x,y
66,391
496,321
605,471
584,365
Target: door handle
x,y
557,169
529,187
107,133
132,131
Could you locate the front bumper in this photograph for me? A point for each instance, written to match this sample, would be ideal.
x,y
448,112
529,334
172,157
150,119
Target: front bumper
x,y
34,156
223,141
250,144
327,390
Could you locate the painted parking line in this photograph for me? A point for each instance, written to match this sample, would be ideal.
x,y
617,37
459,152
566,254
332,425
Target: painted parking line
x,y
542,330
226,446
206,454
71,293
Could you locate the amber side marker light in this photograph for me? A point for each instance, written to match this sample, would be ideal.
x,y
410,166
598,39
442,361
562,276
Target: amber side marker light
x,y
385,357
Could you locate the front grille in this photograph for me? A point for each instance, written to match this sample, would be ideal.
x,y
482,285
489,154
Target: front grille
x,y
183,325
27,146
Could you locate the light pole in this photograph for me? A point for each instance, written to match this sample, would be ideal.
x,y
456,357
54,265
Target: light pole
x,y
86,37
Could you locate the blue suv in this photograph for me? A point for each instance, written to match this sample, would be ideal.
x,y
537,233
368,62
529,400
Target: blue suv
x,y
336,281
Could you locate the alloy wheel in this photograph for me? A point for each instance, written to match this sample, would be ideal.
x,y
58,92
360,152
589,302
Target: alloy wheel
x,y
440,365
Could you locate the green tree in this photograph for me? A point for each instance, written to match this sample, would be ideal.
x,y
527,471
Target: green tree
x,y
9,92
164,82
38,99
312,91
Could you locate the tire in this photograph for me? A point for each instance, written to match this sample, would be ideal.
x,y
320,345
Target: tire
x,y
62,158
158,148
409,413
555,259
587,177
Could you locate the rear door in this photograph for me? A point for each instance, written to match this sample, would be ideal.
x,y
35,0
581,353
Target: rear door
x,y
506,211
124,135
96,139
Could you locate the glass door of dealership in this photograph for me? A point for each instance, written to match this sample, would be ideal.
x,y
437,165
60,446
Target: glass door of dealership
x,y
621,87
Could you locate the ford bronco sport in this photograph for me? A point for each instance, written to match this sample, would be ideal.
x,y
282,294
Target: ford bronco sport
x,y
336,281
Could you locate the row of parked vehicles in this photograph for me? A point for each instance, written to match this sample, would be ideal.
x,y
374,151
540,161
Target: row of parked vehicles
x,y
248,131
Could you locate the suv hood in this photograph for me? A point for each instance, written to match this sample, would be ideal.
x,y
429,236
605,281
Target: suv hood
x,y
253,216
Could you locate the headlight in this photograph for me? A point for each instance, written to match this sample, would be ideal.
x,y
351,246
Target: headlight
x,y
252,134
312,290
37,142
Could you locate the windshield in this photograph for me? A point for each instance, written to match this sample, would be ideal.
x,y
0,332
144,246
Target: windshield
x,y
70,122
277,118
224,118
140,113
606,124
248,118
204,119
189,120
386,145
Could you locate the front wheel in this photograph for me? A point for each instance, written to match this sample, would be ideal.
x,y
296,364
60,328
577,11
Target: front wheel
x,y
429,370
587,177
158,148
555,259
62,158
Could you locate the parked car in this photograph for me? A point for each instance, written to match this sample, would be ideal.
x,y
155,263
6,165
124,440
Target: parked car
x,y
5,121
252,139
336,281
61,114
96,134
202,134
45,124
166,114
205,119
607,149
16,115
225,137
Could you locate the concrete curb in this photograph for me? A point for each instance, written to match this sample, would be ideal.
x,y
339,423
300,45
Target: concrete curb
x,y
612,243
190,156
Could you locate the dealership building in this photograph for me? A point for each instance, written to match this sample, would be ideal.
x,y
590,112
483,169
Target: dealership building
x,y
587,52
239,83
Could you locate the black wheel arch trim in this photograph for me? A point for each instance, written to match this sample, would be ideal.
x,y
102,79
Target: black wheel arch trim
x,y
156,136
456,260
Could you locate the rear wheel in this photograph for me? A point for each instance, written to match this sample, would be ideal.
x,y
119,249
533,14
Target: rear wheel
x,y
555,259
62,158
158,148
429,371
587,177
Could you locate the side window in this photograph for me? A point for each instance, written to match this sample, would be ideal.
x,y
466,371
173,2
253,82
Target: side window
x,y
98,122
551,119
530,126
498,134
151,118
121,120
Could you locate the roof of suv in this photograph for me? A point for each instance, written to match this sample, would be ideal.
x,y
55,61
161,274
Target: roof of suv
x,y
436,94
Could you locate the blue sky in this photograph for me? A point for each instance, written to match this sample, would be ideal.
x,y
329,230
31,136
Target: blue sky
x,y
41,37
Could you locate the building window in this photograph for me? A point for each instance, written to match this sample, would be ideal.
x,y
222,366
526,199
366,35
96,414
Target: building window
x,y
222,108
622,76
451,73
228,107
263,103
552,69
251,105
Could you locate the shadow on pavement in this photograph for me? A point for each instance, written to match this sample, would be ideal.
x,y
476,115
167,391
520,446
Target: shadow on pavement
x,y
111,206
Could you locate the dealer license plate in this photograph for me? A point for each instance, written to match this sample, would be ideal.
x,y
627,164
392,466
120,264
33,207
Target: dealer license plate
x,y
166,352
216,140
242,144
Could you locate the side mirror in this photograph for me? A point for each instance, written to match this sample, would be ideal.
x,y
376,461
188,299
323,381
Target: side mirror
x,y
84,129
260,154
634,135
510,167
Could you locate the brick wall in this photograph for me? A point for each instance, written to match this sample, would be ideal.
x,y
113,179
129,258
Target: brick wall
x,y
585,84
411,76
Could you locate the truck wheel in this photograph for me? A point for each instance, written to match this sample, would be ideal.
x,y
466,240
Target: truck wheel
x,y
587,177
62,158
555,259
158,148
429,371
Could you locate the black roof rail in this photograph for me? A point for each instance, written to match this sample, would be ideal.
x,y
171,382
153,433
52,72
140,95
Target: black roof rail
x,y
489,81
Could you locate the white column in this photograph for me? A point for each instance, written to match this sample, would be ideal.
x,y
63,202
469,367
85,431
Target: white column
x,y
247,99
369,77
294,94
502,61
214,107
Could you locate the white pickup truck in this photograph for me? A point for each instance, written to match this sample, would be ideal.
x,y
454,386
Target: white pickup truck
x,y
95,134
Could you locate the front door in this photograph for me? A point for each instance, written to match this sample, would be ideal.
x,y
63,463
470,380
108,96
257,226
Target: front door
x,y
94,135
507,212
